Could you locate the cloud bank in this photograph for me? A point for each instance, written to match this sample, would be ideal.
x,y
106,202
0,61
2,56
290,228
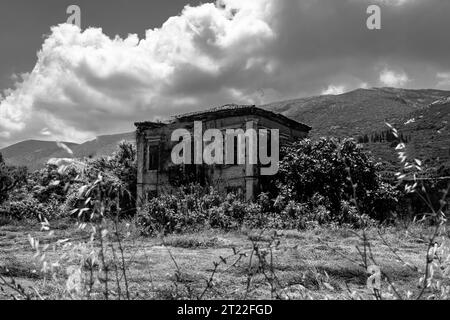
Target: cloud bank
x,y
255,51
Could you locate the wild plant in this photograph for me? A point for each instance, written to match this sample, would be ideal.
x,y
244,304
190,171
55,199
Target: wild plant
x,y
434,280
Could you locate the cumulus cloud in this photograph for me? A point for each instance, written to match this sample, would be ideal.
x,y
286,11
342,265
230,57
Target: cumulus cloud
x,y
334,90
391,78
85,81
255,51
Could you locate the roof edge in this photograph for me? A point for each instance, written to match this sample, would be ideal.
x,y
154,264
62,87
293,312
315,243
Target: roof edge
x,y
243,109
232,110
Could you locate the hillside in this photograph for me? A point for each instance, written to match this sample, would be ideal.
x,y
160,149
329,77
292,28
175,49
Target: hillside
x,y
356,112
34,154
420,115
102,145
430,132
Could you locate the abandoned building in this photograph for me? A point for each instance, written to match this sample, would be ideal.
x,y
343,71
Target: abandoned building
x,y
157,174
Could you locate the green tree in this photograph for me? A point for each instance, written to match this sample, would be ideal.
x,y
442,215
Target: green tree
x,y
324,167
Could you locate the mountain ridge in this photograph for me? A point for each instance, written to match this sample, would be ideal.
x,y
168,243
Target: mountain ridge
x,y
35,153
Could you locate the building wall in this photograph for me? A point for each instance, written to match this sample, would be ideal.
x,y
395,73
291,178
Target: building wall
x,y
240,178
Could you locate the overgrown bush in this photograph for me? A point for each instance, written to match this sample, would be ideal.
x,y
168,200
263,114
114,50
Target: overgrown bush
x,y
50,183
190,208
337,171
60,189
30,208
110,180
10,178
194,208
233,212
120,171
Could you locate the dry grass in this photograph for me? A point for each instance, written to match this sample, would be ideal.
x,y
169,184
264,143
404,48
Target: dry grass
x,y
322,262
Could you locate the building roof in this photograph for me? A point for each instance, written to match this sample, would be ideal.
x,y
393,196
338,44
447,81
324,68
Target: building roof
x,y
231,110
226,108
150,124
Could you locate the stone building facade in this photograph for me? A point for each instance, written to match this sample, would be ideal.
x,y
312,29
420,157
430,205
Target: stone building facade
x,y
157,174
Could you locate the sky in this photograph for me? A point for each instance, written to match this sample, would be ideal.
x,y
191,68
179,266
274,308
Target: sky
x,y
141,60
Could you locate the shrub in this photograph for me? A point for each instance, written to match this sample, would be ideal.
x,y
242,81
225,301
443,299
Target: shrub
x,y
108,181
120,171
51,183
30,208
194,207
189,209
382,202
166,214
30,196
10,178
281,214
328,168
218,218
158,215
233,212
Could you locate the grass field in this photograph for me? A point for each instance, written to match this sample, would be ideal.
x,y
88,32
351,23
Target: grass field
x,y
322,263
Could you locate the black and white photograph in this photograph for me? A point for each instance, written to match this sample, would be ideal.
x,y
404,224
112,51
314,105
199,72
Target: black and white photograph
x,y
241,151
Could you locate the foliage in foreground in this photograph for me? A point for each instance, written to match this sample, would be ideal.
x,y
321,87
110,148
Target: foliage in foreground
x,y
57,190
101,269
194,208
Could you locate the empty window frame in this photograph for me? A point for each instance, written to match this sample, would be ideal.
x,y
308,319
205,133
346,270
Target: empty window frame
x,y
153,157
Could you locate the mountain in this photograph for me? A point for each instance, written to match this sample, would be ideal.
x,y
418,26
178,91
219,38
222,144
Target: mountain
x,y
356,112
421,116
100,146
34,154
